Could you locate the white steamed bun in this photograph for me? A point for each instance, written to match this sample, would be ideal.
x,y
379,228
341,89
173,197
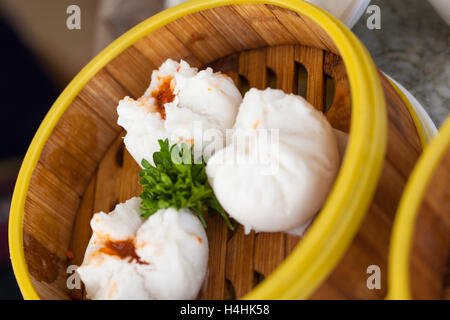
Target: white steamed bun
x,y
288,183
183,105
169,255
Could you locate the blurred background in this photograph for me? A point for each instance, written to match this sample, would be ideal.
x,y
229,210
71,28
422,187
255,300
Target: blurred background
x,y
40,55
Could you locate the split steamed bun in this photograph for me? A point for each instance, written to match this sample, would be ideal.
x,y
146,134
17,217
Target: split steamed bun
x,y
289,181
163,257
183,105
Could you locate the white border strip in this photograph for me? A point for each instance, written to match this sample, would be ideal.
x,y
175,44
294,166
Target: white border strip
x,y
429,128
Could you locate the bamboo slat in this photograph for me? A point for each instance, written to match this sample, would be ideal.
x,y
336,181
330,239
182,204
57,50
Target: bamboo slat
x,y
81,233
312,60
200,37
163,45
227,20
132,70
265,23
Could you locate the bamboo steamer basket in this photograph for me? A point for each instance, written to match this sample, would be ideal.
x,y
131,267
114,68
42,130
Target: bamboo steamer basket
x,y
76,164
420,248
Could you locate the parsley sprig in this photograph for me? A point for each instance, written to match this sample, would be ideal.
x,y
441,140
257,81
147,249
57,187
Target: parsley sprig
x,y
177,181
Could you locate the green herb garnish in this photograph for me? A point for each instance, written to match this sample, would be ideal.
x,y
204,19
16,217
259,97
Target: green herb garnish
x,y
176,181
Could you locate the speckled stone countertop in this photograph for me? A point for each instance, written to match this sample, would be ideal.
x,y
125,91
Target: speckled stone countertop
x,y
413,47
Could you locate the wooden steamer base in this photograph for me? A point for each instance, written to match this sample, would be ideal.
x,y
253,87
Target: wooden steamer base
x,y
84,167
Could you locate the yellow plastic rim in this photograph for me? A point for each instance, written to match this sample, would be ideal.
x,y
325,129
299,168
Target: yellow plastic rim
x,y
330,235
404,225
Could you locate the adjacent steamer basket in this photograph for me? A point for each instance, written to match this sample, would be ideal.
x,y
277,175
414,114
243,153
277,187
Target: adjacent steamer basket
x,y
419,265
77,165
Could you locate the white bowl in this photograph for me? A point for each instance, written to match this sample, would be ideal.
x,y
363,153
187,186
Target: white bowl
x,y
443,8
428,127
348,11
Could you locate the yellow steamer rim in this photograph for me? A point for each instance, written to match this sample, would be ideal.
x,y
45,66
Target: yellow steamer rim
x,y
404,225
333,230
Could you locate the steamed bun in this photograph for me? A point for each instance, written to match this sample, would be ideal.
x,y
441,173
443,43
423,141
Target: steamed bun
x,y
163,257
183,105
272,187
